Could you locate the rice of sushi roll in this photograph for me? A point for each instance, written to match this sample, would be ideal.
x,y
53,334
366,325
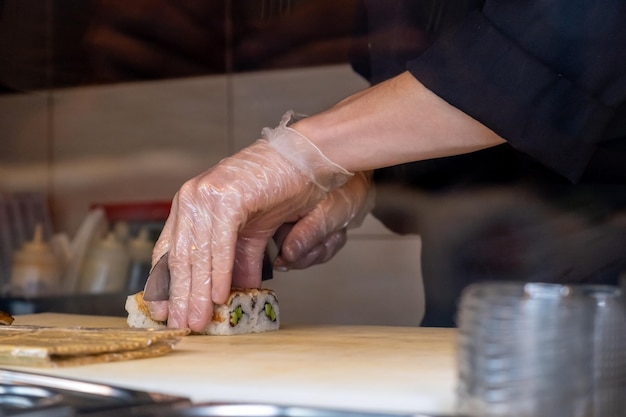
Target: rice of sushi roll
x,y
246,311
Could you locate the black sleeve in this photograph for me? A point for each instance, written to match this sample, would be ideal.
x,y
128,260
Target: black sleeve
x,y
545,75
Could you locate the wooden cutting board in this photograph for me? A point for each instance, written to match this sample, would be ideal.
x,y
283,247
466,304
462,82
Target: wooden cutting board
x,y
368,368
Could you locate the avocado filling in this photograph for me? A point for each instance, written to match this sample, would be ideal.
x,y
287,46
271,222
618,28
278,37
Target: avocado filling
x,y
269,312
235,316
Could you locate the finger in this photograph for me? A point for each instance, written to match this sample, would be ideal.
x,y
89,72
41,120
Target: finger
x,y
200,305
179,257
308,259
333,243
158,310
222,259
320,254
180,286
200,301
249,262
281,233
303,236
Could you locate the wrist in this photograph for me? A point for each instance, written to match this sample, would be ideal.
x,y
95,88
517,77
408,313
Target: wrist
x,y
304,154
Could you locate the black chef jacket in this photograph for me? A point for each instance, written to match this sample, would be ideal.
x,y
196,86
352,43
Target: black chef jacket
x,y
547,75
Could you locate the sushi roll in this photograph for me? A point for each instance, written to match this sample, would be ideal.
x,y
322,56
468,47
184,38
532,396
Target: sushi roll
x,y
139,314
246,311
266,309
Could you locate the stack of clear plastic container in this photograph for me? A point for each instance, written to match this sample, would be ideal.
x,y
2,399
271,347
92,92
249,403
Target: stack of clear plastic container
x,y
609,351
541,350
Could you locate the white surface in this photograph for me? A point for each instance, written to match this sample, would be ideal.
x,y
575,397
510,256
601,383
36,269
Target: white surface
x,y
388,369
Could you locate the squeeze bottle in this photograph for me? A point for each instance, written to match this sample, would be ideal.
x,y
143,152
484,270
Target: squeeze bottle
x,y
35,270
105,268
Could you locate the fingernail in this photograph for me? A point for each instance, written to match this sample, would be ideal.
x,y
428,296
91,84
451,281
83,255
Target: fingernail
x,y
279,265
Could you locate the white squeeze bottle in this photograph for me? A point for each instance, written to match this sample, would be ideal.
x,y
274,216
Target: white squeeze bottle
x,y
35,270
140,251
105,268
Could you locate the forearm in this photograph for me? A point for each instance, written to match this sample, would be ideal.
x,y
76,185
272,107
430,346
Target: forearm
x,y
394,122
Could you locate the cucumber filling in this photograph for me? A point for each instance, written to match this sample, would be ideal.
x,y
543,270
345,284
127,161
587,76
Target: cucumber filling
x,y
269,311
235,316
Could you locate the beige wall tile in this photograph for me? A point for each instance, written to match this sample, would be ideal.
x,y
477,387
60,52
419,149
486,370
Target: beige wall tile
x,y
261,98
24,142
134,142
372,280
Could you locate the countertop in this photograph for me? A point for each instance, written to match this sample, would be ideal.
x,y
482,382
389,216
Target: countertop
x,y
367,368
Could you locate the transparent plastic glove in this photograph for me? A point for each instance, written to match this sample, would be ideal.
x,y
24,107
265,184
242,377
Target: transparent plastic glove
x,y
220,221
321,233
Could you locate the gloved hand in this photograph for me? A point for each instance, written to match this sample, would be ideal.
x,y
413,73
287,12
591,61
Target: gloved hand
x,y
221,220
318,236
